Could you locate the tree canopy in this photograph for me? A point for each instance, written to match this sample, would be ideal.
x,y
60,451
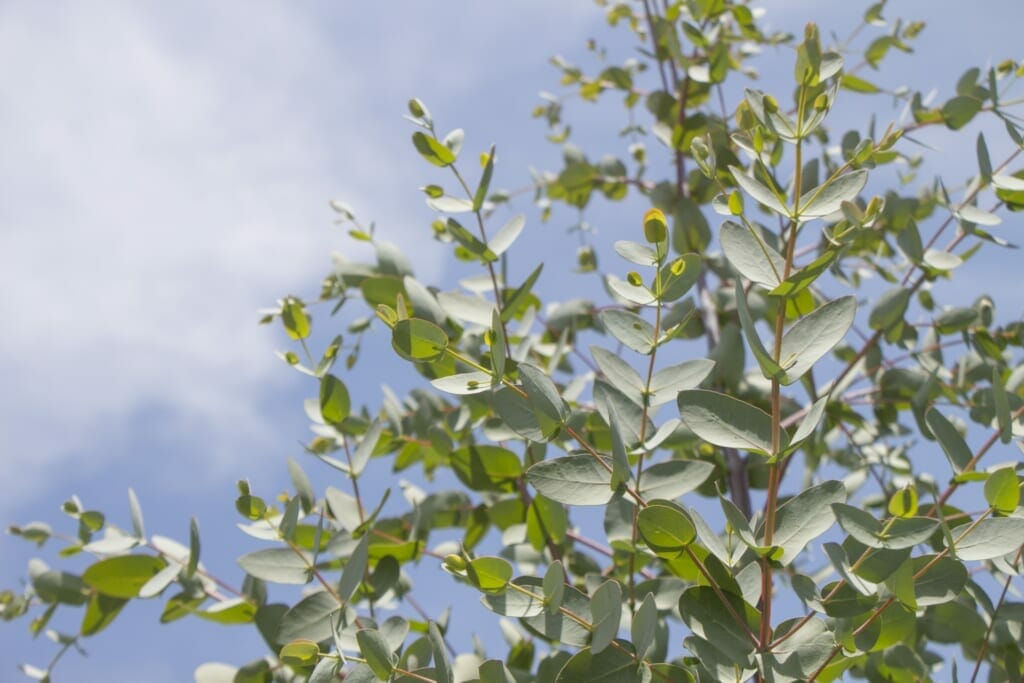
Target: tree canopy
x,y
761,448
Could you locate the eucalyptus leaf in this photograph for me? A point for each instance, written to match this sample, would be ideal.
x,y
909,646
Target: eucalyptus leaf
x,y
751,255
573,480
814,335
805,517
725,421
629,328
992,538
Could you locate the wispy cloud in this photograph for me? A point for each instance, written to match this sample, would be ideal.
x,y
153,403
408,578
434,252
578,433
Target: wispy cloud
x,y
165,173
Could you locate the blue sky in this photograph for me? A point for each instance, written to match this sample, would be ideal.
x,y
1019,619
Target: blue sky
x,y
165,173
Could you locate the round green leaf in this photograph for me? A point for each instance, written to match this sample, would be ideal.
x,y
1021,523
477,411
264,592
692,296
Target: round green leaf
x,y
300,653
123,576
486,467
904,502
334,400
418,340
489,574
666,527
1002,490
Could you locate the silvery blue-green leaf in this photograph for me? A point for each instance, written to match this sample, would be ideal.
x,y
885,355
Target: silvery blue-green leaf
x,y
889,308
160,581
361,454
374,650
632,421
572,480
517,413
828,197
442,665
606,606
805,517
355,569
942,582
831,64
629,293
710,538
804,652
193,545
468,309
669,381
673,478
446,204
618,519
725,421
453,140
739,524
499,347
288,521
138,527
513,603
515,301
814,335
769,367
716,665
312,618
629,328
751,255
940,259
860,524
360,673
620,461
113,542
557,626
810,422
841,563
214,672
325,671
344,507
278,565
760,192
1008,182
547,403
952,443
637,253
554,586
1002,405
619,374
645,623
495,671
424,303
611,665
707,617
464,383
507,234
992,538
972,214
667,429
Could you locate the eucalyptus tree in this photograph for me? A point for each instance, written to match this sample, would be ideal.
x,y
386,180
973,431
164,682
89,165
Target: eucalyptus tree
x,y
726,464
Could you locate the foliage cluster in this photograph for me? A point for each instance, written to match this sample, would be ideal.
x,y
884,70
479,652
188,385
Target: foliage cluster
x,y
796,470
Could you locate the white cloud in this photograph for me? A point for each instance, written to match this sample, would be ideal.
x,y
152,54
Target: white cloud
x,y
165,172
155,196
